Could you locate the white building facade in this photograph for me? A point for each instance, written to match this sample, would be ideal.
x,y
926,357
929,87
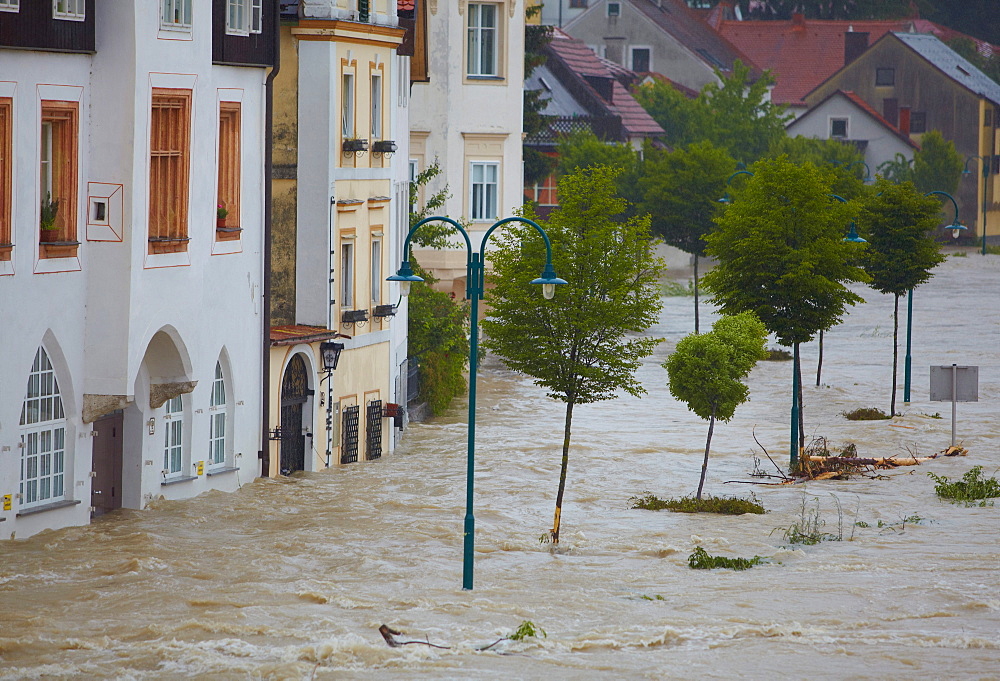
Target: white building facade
x,y
131,238
468,116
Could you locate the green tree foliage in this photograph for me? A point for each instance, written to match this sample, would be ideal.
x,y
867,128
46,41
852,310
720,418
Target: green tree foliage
x,y
706,371
898,170
781,253
736,114
680,191
937,166
436,324
845,159
898,222
583,149
581,346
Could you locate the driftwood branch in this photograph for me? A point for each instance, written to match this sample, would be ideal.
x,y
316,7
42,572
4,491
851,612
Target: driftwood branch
x,y
390,638
882,462
776,466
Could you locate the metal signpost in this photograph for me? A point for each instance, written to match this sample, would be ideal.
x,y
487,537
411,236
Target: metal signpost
x,y
954,383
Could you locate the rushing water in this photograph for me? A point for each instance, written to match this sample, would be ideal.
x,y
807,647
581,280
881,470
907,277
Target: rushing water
x,y
291,578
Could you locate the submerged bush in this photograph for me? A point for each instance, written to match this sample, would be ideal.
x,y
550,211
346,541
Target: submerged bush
x,y
865,414
971,488
701,560
777,355
708,504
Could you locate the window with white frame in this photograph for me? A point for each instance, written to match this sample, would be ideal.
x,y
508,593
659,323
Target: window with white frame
x,y
483,195
217,420
175,14
347,101
244,17
376,271
376,107
347,275
482,40
173,435
838,128
75,10
9,5
43,436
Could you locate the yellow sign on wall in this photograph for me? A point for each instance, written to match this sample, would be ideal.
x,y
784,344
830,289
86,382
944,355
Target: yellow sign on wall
x,y
201,468
7,499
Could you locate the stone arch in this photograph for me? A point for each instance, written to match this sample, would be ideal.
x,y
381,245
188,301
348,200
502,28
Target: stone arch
x,y
167,366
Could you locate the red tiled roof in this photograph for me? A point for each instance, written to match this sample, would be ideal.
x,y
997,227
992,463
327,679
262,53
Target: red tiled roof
x,y
802,53
406,5
292,334
582,61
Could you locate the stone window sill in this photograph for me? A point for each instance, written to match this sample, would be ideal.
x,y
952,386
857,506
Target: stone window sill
x,y
220,471
174,481
48,507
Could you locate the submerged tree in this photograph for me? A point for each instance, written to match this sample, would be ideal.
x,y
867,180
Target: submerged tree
x,y
898,223
781,255
706,371
580,346
681,191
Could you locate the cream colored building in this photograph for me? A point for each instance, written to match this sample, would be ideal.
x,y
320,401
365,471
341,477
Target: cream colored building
x,y
468,116
339,207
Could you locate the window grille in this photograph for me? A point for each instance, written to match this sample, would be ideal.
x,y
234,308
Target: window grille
x,y
349,448
373,430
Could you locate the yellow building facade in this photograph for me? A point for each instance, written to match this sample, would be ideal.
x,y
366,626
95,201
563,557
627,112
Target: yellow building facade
x,y
337,214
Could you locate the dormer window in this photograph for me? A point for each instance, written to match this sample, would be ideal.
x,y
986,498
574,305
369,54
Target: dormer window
x,y
244,17
72,10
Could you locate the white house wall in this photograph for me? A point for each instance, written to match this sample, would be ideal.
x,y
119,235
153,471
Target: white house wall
x,y
97,320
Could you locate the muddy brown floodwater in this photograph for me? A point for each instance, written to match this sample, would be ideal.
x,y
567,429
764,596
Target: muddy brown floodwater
x,y
291,578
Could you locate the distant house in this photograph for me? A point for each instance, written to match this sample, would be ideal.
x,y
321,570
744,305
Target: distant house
x,y
846,117
584,93
802,53
665,36
919,77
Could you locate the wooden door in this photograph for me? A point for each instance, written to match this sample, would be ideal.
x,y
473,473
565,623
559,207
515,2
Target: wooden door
x,y
106,485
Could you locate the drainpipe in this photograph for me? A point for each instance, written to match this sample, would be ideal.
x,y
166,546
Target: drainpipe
x,y
265,443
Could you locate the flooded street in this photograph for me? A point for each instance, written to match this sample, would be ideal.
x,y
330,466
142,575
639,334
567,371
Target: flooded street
x,y
291,578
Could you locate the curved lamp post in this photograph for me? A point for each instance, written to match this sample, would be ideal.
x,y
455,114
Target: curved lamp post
x,y
474,287
868,171
984,162
725,197
956,228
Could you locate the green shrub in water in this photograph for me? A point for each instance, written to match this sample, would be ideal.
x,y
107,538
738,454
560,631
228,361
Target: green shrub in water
x,y
701,560
707,504
973,487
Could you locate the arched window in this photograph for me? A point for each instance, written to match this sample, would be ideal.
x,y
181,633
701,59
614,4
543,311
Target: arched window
x,y
173,435
43,436
217,420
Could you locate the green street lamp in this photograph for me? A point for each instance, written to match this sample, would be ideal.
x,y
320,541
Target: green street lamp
x,y
474,288
868,171
956,228
984,162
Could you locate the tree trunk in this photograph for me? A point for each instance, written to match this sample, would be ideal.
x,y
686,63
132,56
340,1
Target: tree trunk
x,y
562,474
696,293
895,353
708,445
802,427
819,364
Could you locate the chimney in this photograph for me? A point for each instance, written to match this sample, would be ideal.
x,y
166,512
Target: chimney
x,y
904,120
854,44
798,22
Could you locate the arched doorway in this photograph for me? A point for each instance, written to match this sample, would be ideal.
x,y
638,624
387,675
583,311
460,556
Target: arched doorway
x,y
294,394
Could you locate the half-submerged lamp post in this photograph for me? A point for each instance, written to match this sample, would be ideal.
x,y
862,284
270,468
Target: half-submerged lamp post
x,y
984,162
956,229
474,288
330,352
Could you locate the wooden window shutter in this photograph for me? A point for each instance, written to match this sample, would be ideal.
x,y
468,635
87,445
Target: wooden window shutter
x,y
230,168
169,168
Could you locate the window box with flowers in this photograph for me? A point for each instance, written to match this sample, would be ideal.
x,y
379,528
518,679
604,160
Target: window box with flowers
x,y
357,145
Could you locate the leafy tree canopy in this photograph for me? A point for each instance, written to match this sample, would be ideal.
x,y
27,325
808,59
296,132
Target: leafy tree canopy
x,y
781,253
898,222
577,346
847,162
937,166
736,115
681,190
583,149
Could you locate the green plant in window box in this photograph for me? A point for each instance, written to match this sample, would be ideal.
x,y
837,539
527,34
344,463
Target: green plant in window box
x,y
49,210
